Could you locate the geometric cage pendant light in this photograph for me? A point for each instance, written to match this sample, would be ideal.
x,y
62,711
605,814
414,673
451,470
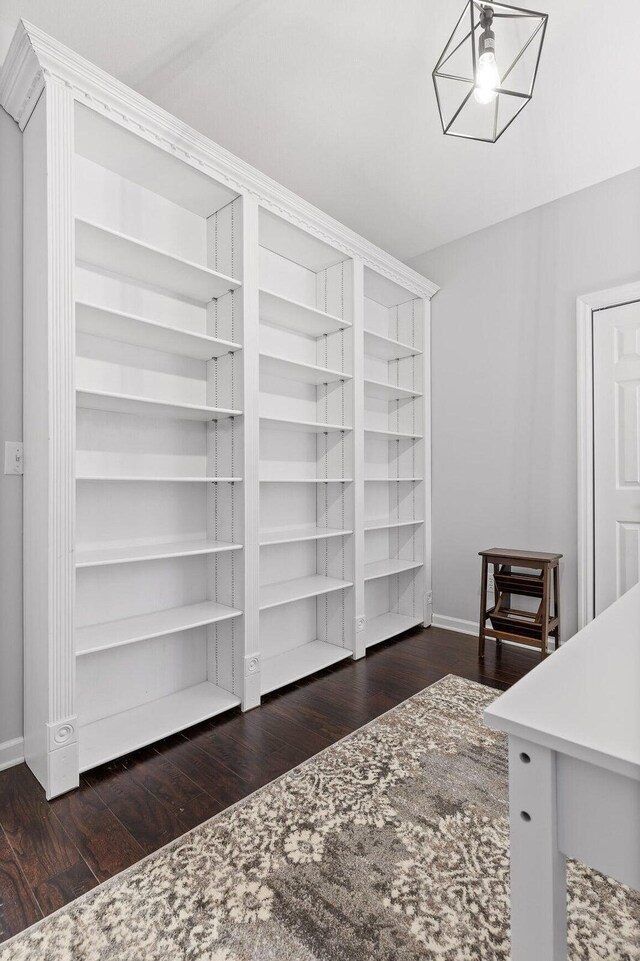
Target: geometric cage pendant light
x,y
487,71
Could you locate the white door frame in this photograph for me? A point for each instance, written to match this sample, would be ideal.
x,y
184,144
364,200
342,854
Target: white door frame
x,y
586,308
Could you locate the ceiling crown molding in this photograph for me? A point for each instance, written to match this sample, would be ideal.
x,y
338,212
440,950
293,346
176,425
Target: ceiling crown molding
x,y
35,58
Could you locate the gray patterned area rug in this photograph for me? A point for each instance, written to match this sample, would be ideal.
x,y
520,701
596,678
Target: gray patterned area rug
x,y
391,845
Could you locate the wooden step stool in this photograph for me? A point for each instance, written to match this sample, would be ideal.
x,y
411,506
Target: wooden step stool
x,y
512,624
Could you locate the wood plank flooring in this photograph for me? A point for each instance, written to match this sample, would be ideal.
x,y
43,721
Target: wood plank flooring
x,y
50,853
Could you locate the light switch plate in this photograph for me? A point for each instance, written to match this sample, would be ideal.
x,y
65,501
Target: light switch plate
x,y
13,457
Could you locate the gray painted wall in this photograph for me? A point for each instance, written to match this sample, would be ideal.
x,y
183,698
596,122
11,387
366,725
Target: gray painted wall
x,y
11,429
504,381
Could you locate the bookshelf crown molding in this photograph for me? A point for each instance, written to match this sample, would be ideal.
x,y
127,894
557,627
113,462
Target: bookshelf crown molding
x,y
21,77
35,59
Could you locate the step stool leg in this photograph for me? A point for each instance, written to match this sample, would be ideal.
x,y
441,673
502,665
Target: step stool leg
x,y
483,607
504,598
546,603
556,602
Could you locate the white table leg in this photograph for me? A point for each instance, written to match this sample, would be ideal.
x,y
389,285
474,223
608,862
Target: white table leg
x,y
538,869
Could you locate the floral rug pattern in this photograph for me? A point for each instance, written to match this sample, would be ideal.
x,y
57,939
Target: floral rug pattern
x,y
391,845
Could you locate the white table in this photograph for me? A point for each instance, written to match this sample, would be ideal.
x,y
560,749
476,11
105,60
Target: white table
x,y
574,773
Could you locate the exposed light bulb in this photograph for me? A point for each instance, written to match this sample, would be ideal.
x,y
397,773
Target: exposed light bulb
x,y
487,76
487,80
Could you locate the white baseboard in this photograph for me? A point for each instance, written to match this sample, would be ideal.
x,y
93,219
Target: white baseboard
x,y
11,752
471,627
455,624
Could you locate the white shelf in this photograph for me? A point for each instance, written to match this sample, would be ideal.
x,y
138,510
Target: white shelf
x,y
147,407
382,391
295,244
294,534
114,251
393,480
282,423
392,434
386,348
388,567
158,480
388,625
306,480
150,552
283,669
131,329
102,637
288,369
118,734
162,171
382,523
282,312
284,592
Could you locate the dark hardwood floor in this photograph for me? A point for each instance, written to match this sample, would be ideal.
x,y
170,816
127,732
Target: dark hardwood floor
x,y
50,853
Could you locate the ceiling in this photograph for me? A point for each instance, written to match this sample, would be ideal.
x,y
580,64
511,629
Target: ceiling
x,y
334,99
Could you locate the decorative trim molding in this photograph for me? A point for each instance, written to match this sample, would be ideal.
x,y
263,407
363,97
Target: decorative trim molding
x,y
61,409
586,305
251,466
21,79
62,732
427,619
11,753
426,485
124,106
251,664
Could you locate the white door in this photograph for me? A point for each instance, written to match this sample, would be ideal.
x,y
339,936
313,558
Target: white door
x,y
616,437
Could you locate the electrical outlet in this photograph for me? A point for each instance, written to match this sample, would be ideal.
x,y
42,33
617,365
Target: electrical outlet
x,y
360,623
13,457
490,583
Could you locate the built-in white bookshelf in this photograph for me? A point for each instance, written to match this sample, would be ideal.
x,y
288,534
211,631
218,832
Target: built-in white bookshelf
x,y
225,425
394,459
158,388
306,454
